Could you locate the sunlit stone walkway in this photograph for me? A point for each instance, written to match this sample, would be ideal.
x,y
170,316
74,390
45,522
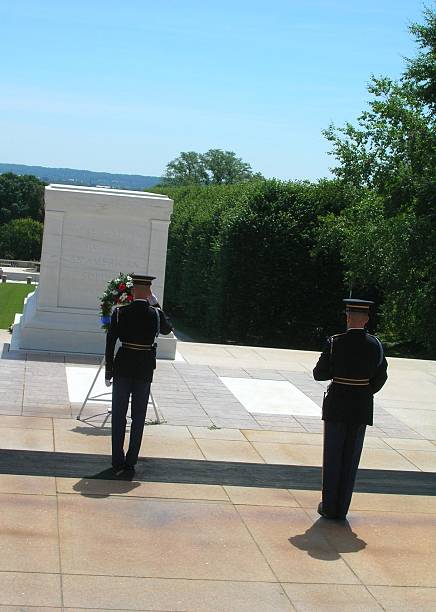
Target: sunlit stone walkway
x,y
221,514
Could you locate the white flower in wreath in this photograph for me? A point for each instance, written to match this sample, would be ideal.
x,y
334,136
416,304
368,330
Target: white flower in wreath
x,y
114,292
123,297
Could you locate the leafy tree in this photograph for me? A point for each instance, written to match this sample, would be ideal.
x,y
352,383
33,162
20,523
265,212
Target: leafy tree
x,y
21,239
215,167
393,148
225,167
21,197
387,239
186,169
5,214
421,72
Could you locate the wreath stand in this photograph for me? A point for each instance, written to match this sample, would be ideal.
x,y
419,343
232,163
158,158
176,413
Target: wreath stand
x,y
101,398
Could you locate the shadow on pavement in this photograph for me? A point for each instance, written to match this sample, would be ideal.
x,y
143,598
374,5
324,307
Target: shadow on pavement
x,y
196,471
325,540
111,484
92,431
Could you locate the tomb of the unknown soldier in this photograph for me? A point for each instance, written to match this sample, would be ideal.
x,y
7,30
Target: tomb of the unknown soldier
x,y
90,236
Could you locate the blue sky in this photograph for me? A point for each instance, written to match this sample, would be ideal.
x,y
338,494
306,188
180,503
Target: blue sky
x,y
125,86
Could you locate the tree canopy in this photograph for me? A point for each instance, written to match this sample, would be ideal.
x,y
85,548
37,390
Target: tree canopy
x,y
21,239
215,167
20,197
21,215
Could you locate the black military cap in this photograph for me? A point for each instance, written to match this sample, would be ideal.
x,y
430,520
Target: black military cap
x,y
353,305
142,279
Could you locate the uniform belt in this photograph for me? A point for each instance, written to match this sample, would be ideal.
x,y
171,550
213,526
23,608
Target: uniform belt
x,y
353,382
137,347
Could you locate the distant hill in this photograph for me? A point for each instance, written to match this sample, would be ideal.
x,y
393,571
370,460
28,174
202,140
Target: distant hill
x,y
70,176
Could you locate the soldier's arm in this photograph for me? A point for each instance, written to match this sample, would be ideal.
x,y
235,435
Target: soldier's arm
x,y
111,339
165,324
323,369
381,375
152,300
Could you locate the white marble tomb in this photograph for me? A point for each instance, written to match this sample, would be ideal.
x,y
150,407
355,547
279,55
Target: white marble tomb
x,y
90,236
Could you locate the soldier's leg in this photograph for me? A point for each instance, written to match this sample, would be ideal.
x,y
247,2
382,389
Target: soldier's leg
x,y
334,439
120,402
140,393
352,451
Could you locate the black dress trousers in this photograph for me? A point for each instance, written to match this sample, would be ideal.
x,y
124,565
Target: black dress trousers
x,y
343,444
139,390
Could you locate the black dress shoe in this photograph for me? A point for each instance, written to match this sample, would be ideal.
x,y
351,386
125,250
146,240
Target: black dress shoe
x,y
128,468
324,514
116,469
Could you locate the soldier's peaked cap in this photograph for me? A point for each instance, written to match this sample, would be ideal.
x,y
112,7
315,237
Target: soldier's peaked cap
x,y
353,305
142,279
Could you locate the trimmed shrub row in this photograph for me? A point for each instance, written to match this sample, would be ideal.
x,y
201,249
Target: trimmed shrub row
x,y
242,265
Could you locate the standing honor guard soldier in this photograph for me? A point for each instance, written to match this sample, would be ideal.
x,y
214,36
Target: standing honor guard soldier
x,y
137,325
355,363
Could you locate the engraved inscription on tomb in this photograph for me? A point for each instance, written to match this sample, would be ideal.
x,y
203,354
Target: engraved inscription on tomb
x,y
92,255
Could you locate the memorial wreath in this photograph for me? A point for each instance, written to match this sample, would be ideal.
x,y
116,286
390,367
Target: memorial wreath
x,y
118,293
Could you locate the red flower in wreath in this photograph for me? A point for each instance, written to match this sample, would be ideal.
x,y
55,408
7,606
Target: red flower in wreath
x,y
116,294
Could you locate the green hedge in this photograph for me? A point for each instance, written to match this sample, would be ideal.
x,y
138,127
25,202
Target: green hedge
x,y
242,267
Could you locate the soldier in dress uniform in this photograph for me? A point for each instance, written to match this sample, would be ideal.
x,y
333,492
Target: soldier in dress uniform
x,y
137,326
355,363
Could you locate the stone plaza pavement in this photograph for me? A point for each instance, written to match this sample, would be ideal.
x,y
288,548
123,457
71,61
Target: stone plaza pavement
x,y
221,513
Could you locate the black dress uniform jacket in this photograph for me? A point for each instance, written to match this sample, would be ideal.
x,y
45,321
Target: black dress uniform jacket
x,y
137,324
355,356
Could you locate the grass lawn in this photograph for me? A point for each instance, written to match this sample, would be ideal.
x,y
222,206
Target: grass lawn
x,y
11,301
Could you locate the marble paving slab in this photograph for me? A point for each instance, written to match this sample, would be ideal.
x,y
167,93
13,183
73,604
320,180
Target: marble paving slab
x,y
271,397
79,380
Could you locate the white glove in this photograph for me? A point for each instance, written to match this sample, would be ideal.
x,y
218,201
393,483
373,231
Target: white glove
x,y
153,300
